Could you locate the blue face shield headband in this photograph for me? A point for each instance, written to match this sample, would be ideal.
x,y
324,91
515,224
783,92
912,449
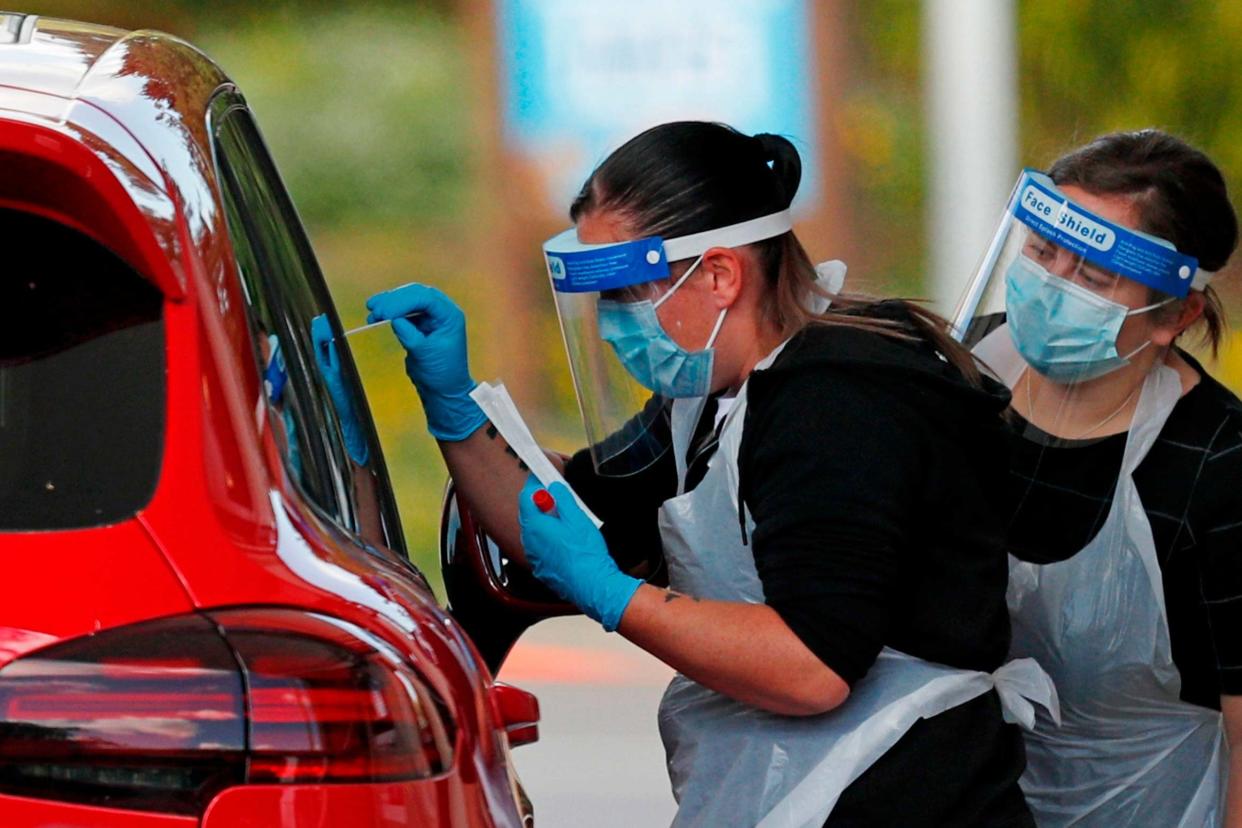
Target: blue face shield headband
x,y
1040,205
619,352
1064,330
1039,209
575,267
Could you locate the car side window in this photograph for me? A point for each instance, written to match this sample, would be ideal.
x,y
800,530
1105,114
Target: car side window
x,y
82,380
285,293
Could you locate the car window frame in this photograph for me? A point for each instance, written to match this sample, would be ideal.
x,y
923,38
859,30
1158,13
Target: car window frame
x,y
225,107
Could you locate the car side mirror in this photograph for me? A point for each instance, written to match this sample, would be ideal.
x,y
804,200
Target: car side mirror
x,y
517,711
493,598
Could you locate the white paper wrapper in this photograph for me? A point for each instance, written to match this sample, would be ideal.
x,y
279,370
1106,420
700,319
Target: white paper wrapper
x,y
499,408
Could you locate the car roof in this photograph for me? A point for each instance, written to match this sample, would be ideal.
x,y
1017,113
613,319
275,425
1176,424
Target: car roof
x,y
71,59
52,56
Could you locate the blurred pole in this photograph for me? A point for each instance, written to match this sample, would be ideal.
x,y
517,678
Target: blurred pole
x,y
503,266
970,54
829,229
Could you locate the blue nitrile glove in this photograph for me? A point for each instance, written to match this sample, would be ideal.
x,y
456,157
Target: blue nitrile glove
x,y
275,375
432,329
569,554
330,367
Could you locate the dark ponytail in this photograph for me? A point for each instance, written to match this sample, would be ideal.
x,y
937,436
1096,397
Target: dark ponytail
x,y
779,153
690,176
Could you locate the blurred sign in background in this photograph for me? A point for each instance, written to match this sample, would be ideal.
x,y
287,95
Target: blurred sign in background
x,y
441,141
581,76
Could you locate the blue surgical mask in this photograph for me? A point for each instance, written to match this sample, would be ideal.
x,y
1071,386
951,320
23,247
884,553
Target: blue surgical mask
x,y
1064,331
650,355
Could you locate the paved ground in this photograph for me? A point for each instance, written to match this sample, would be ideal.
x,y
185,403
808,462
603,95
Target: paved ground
x,y
598,760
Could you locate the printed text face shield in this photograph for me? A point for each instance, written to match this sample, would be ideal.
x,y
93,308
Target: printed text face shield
x,y
605,299
1071,291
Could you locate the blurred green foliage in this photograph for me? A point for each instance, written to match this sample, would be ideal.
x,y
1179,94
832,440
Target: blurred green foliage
x,y
1093,66
367,110
1084,67
187,17
358,107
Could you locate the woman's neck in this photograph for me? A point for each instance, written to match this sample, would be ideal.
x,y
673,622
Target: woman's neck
x,y
757,339
1094,408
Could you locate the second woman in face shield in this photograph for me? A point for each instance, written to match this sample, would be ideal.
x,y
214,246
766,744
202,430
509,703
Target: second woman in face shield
x,y
1125,508
813,478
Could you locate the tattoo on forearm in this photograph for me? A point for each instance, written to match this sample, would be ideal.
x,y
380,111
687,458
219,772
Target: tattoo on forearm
x,y
670,596
493,433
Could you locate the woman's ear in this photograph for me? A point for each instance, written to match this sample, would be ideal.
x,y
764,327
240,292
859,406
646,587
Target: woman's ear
x,y
1189,313
724,268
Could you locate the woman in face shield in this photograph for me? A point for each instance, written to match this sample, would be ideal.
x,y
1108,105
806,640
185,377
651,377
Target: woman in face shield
x,y
1125,508
813,477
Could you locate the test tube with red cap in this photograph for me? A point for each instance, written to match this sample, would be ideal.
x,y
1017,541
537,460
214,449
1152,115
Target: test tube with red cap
x,y
544,501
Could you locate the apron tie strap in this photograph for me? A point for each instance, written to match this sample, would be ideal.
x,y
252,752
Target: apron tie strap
x,y
1021,684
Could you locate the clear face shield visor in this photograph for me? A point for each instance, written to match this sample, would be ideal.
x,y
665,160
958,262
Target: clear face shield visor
x,y
1066,292
1064,299
626,370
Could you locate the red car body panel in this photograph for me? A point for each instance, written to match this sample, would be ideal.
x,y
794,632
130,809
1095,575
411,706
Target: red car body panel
x,y
19,812
382,806
113,132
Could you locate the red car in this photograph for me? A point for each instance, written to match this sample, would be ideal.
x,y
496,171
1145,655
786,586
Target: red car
x,y
207,615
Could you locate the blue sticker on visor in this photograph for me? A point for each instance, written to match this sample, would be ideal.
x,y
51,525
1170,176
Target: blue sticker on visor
x,y
575,267
1041,206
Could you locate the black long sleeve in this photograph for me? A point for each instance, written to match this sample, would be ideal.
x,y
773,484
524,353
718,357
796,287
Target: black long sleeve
x,y
869,466
866,464
835,463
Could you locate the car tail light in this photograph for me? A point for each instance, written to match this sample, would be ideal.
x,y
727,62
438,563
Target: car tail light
x,y
327,702
160,716
141,717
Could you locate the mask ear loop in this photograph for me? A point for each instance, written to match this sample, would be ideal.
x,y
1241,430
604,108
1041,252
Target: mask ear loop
x,y
1145,309
681,281
1152,307
1129,356
711,340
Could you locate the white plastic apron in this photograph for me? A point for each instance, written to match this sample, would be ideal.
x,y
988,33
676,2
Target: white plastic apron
x,y
735,765
1128,751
